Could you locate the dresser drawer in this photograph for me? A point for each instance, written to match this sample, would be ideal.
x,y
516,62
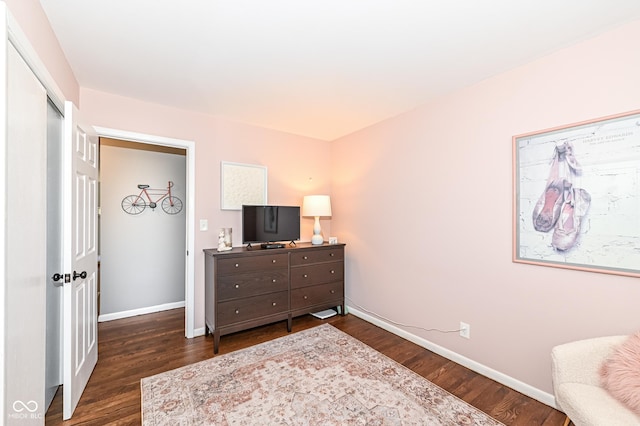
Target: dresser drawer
x,y
317,274
253,284
316,295
305,257
250,308
239,265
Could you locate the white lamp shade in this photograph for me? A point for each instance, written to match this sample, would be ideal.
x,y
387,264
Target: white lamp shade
x,y
316,205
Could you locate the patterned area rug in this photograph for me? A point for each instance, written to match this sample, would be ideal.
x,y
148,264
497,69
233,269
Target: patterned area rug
x,y
320,376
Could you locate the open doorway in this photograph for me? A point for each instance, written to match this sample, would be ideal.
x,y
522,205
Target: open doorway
x,y
155,144
142,228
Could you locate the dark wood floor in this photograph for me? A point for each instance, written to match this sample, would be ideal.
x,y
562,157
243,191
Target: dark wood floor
x,y
133,348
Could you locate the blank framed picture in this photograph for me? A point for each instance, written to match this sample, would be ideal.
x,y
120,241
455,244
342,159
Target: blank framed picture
x,y
242,184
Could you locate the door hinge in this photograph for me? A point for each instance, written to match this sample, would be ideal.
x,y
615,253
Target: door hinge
x,y
67,278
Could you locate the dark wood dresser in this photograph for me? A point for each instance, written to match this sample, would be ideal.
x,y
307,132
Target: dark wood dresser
x,y
248,287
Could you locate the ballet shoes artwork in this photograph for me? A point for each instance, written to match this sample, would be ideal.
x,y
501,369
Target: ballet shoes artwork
x,y
562,206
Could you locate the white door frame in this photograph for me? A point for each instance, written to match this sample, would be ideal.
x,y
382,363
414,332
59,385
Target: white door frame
x,y
190,147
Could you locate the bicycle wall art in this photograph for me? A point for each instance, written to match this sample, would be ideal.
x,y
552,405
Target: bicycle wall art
x,y
135,204
577,196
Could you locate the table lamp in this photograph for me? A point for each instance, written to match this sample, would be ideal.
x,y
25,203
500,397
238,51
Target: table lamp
x,y
316,206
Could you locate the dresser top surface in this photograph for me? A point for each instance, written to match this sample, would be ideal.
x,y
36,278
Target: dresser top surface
x,y
257,250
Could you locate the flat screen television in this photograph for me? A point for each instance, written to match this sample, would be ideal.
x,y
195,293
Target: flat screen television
x,y
270,225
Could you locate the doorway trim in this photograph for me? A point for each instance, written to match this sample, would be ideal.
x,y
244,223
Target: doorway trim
x,y
190,147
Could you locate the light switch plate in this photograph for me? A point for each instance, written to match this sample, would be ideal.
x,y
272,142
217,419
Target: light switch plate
x,y
204,224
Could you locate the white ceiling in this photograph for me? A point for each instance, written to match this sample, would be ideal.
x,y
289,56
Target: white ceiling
x,y
319,68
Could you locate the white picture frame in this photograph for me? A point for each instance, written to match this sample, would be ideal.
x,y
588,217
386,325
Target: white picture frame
x,y
242,184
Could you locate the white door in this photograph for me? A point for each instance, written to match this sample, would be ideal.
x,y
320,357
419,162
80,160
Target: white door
x,y
23,159
80,322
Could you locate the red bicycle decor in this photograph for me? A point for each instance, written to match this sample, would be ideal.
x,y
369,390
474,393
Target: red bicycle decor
x,y
135,204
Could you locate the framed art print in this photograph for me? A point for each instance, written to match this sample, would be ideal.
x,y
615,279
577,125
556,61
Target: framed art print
x,y
242,184
576,196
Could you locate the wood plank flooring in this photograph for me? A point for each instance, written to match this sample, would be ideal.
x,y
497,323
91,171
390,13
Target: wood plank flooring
x,y
133,348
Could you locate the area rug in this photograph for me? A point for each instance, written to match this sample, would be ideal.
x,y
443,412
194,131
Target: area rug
x,y
320,376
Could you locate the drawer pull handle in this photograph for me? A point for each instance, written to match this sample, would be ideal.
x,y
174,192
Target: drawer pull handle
x,y
305,297
333,272
273,304
237,265
237,285
306,276
333,292
273,280
305,257
237,311
331,254
273,261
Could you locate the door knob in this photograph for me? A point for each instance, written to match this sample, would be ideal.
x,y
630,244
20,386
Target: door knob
x,y
57,277
82,275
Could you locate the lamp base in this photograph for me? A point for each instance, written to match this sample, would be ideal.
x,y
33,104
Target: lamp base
x,y
317,239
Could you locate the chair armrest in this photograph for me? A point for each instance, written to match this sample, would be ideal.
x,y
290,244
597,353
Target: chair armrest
x,y
580,361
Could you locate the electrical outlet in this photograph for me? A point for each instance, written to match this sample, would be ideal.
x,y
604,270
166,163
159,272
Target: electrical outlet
x,y
465,330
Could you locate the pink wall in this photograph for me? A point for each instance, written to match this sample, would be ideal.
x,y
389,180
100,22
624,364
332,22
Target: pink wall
x,y
35,25
424,202
296,165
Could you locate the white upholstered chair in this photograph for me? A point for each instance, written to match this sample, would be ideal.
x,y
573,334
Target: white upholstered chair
x,y
576,384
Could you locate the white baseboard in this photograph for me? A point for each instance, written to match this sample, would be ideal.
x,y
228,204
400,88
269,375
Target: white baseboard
x,y
140,311
515,384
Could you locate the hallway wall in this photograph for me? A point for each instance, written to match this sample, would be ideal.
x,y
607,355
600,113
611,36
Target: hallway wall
x,y
142,256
